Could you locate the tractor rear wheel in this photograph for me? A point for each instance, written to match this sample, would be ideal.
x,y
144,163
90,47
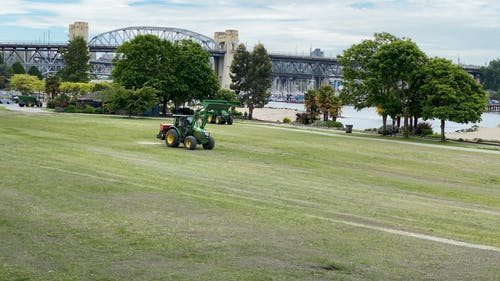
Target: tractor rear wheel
x,y
218,120
190,142
172,138
210,144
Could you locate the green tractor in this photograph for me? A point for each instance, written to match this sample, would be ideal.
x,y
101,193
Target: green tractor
x,y
190,129
220,113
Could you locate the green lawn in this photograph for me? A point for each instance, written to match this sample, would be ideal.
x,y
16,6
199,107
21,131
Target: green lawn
x,y
86,197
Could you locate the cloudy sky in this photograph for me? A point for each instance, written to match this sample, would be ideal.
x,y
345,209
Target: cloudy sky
x,y
463,31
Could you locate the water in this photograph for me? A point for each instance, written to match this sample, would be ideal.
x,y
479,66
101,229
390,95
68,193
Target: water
x,y
368,118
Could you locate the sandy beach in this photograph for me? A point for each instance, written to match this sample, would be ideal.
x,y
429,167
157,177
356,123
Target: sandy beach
x,y
485,134
277,115
272,114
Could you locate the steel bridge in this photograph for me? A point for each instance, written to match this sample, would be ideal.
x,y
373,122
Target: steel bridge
x,y
47,56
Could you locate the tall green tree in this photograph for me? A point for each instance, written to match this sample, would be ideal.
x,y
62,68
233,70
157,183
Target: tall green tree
x,y
195,78
34,71
490,75
239,70
397,65
251,78
363,86
4,73
52,84
146,60
451,94
180,72
26,83
18,68
76,61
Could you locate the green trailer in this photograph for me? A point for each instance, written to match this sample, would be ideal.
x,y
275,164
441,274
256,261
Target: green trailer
x,y
29,101
219,111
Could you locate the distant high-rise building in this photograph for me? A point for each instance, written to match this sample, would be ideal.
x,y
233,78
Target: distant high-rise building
x,y
79,28
317,53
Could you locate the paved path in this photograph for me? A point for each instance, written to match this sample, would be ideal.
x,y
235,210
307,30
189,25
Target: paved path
x,y
16,107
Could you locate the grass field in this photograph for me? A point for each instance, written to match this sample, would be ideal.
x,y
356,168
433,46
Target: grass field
x,y
85,197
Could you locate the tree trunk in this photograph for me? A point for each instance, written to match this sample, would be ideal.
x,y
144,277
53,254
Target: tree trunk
x,y
164,107
250,112
415,122
334,118
406,129
325,116
443,138
384,124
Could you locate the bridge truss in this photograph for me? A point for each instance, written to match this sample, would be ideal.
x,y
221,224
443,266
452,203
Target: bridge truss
x,y
305,67
117,37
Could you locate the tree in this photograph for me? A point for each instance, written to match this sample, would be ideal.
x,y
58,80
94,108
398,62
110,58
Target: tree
x,y
194,78
33,71
397,64
382,73
102,86
18,68
76,61
225,94
328,103
74,88
179,72
239,70
311,103
363,86
52,84
451,94
490,75
4,73
134,102
26,84
251,78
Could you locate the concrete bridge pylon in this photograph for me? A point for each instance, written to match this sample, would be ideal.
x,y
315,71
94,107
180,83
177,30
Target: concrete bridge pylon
x,y
226,41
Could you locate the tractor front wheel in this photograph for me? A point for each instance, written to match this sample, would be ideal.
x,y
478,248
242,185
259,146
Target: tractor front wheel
x,y
190,142
210,144
230,120
172,138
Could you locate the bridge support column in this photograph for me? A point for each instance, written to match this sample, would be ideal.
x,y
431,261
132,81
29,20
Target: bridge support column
x,y
227,41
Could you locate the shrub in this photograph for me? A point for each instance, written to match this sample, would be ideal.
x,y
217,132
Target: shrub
x,y
287,120
423,129
236,112
88,109
70,109
389,130
332,124
61,101
51,104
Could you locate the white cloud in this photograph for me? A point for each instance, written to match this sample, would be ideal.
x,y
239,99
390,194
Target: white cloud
x,y
445,28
